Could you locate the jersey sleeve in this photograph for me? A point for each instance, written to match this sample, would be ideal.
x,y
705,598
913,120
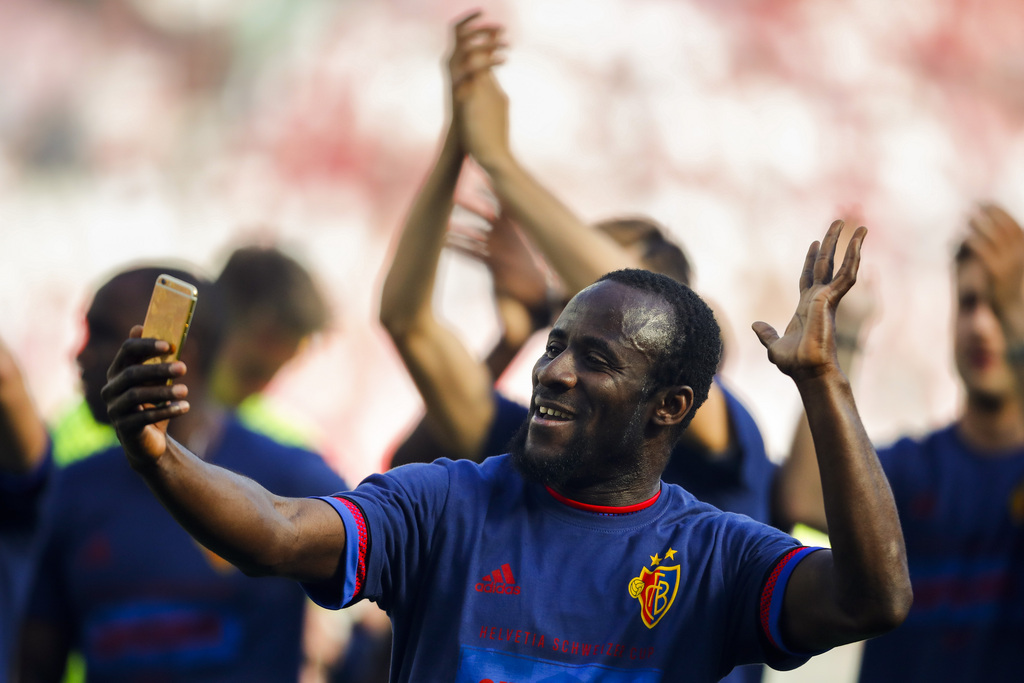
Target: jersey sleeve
x,y
390,520
48,599
20,494
772,594
758,562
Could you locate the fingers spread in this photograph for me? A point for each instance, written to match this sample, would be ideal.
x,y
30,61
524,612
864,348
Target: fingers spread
x,y
765,332
1000,218
807,274
468,245
478,209
847,275
476,48
461,23
825,263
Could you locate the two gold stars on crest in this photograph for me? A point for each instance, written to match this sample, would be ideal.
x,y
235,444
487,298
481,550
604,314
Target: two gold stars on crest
x,y
669,554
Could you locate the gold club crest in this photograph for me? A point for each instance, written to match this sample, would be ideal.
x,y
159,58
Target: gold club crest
x,y
656,588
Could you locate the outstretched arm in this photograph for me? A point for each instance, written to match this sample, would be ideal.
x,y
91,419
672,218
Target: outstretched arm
x,y
257,531
578,253
22,432
455,386
861,588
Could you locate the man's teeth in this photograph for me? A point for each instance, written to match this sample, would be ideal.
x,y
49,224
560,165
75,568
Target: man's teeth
x,y
551,412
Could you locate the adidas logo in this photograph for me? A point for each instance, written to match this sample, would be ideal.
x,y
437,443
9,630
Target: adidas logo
x,y
499,581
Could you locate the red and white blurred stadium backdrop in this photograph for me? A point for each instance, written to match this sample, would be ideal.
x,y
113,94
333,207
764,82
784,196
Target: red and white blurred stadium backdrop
x,y
140,130
136,130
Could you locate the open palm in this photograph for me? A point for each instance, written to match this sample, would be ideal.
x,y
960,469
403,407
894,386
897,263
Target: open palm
x,y
808,346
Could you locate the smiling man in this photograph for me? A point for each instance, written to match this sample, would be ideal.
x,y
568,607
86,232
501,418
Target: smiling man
x,y
571,557
612,348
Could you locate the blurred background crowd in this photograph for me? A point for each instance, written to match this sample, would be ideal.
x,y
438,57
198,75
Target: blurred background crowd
x,y
154,129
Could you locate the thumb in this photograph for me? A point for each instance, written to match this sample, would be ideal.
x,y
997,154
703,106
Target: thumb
x,y
765,332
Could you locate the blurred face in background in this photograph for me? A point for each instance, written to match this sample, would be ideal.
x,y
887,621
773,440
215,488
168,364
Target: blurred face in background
x,y
978,343
251,356
117,306
646,240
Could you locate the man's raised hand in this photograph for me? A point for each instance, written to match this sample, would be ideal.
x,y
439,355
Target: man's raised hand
x,y
140,400
808,347
475,49
997,241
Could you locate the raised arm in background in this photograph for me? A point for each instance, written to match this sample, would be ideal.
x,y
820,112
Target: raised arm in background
x,y
576,251
861,587
454,385
23,436
524,300
997,241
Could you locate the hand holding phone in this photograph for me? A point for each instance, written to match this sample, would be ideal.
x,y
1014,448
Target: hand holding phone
x,y
170,315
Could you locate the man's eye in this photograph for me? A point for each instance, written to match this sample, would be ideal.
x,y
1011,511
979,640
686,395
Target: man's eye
x,y
552,350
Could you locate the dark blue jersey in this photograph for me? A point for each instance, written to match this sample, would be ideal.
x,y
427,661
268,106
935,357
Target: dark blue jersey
x,y
143,601
486,576
22,519
962,514
737,481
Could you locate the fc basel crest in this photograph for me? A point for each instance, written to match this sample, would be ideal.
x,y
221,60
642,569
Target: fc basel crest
x,y
656,588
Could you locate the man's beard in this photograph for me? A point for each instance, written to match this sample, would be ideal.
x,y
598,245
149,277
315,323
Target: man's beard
x,y
548,471
567,466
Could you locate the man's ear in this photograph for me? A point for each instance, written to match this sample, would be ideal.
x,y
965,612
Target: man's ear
x,y
676,403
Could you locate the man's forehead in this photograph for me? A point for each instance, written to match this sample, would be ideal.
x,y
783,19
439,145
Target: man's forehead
x,y
971,274
638,319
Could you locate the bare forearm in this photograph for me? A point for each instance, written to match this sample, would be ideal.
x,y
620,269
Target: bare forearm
x,y
577,252
22,432
410,280
798,497
455,386
870,573
453,383
257,531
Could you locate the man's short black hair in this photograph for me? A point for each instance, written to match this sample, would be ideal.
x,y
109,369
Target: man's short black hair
x,y
207,328
264,280
657,251
695,347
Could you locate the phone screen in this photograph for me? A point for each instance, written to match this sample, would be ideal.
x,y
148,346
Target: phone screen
x,y
170,314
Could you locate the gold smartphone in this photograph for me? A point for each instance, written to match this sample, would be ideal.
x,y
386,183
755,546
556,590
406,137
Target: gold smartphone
x,y
170,314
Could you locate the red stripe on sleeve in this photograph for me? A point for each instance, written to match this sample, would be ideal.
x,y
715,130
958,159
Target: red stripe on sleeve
x,y
357,514
768,592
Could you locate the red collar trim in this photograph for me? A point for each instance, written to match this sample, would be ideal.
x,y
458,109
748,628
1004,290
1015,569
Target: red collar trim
x,y
604,509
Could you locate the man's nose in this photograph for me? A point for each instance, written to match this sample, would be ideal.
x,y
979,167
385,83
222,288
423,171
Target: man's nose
x,y
984,320
558,371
